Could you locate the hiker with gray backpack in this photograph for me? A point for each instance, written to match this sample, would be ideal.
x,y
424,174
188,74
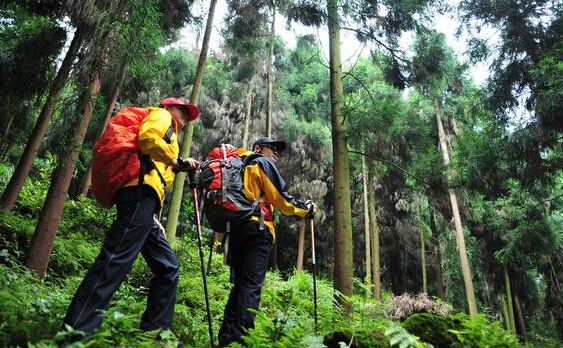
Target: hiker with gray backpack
x,y
240,192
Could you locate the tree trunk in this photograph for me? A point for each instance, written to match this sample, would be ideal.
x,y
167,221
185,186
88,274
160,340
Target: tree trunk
x,y
301,245
50,216
505,314
246,127
25,163
509,299
487,294
87,177
4,141
438,254
460,239
365,178
520,316
178,186
270,76
343,268
375,253
422,249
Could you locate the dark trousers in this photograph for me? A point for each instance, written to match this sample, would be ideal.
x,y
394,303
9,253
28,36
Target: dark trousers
x,y
249,249
133,231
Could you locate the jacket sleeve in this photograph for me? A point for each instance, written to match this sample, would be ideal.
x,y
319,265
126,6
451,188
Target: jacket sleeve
x,y
265,174
151,137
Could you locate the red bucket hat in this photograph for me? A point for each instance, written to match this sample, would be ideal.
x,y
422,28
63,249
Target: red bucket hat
x,y
192,110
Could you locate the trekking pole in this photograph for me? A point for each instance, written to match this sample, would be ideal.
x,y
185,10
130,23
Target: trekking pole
x,y
314,269
193,186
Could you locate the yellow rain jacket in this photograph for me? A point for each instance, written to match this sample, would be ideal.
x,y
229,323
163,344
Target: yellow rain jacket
x,y
262,179
153,141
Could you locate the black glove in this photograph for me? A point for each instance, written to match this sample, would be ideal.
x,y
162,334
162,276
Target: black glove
x,y
184,165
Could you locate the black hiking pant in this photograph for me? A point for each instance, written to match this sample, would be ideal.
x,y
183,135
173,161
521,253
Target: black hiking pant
x,y
249,249
133,231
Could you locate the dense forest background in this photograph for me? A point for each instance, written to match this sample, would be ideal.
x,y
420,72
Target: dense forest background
x,y
435,194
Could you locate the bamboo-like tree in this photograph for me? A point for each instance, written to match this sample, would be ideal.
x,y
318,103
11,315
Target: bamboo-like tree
x,y
342,245
42,242
374,237
10,194
91,76
269,70
367,225
86,180
178,188
432,66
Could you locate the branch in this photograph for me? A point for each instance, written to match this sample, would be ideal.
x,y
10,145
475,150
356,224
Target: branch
x,y
349,73
550,199
391,164
378,42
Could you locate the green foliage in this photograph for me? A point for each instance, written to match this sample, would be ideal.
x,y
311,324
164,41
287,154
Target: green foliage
x,y
317,131
433,329
31,310
397,335
479,332
29,46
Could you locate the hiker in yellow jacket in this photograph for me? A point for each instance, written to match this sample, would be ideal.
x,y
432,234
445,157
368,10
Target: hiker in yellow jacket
x,y
250,242
135,228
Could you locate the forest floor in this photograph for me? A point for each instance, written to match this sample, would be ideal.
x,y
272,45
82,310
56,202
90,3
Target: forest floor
x,y
33,309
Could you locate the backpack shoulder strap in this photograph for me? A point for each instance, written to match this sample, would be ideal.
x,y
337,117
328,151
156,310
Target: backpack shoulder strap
x,y
168,135
251,158
256,204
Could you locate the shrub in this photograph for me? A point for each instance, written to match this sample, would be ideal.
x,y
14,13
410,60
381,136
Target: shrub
x,y
401,307
433,329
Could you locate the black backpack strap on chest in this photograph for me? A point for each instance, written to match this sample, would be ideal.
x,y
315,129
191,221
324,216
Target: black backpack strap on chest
x,y
168,135
146,166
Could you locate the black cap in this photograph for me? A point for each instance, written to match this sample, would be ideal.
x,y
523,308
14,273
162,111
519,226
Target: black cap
x,y
279,145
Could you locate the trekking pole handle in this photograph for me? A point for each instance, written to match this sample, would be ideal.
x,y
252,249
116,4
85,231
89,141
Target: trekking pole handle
x,y
191,179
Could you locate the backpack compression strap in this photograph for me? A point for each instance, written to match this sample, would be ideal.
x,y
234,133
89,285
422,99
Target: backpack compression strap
x,y
147,164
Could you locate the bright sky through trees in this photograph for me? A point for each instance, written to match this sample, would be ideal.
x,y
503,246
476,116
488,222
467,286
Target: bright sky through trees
x,y
351,48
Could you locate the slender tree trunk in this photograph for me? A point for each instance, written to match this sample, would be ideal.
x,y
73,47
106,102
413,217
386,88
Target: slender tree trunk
x,y
488,301
460,239
343,268
50,216
25,163
365,177
246,126
178,186
4,141
87,177
301,245
422,250
270,75
509,299
520,317
375,252
505,314
438,254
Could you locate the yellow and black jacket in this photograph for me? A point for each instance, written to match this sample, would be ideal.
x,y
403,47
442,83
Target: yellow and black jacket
x,y
262,179
157,140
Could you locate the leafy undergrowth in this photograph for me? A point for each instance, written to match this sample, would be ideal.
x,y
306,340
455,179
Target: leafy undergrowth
x,y
33,310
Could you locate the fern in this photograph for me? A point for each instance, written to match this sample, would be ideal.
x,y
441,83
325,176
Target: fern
x,y
397,335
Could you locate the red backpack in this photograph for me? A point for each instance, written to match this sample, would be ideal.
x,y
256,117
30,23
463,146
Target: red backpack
x,y
116,155
222,184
